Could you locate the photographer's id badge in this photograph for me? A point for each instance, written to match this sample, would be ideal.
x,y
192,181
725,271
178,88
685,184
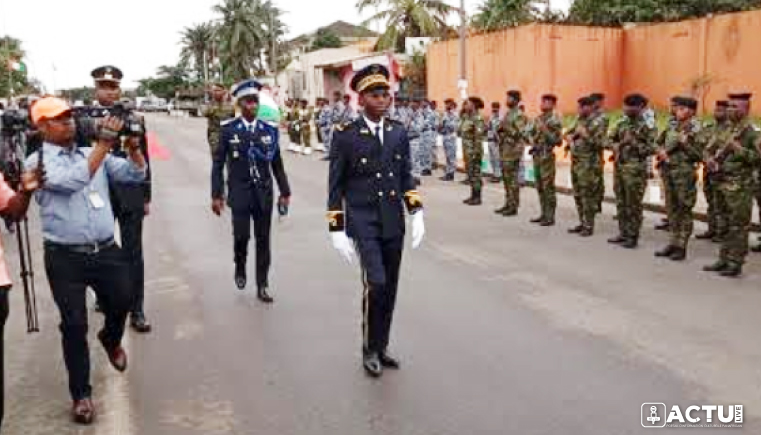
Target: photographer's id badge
x,y
95,200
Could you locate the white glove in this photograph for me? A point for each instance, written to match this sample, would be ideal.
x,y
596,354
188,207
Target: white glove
x,y
343,245
418,229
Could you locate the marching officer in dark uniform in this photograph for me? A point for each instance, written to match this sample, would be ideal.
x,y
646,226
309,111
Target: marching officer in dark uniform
x,y
251,149
370,182
131,202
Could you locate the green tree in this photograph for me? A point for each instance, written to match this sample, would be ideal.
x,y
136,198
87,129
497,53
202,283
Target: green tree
x,y
408,18
325,39
618,12
11,51
197,42
498,14
169,79
246,31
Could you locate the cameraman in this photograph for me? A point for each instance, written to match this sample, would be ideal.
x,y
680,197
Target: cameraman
x,y
78,232
131,201
13,205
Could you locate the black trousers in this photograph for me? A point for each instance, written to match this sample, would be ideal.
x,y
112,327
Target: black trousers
x,y
381,259
242,235
69,274
131,228
3,317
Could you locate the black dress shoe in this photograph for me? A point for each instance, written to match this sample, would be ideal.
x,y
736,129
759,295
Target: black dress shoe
x,y
139,323
83,411
262,295
547,223
619,239
575,230
665,252
372,364
388,361
537,220
240,275
630,243
719,266
447,177
116,355
705,236
732,271
426,173
679,254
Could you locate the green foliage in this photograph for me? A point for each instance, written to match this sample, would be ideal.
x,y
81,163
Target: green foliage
x,y
11,50
197,46
408,18
618,12
168,81
498,14
325,39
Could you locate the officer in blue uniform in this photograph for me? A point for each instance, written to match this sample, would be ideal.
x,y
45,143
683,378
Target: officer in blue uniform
x,y
251,149
370,182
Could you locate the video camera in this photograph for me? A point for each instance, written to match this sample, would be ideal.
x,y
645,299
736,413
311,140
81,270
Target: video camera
x,y
14,122
87,120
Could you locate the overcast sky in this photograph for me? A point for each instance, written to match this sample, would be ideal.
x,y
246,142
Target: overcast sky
x,y
75,36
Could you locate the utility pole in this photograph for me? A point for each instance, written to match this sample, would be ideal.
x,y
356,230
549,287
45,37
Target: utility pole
x,y
463,82
274,44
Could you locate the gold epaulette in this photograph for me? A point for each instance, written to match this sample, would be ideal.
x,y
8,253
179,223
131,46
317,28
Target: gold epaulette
x,y
336,220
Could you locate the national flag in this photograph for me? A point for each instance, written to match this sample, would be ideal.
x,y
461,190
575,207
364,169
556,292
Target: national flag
x,y
17,65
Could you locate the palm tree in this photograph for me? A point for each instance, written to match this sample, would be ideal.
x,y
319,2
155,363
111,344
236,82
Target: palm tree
x,y
11,50
241,33
408,18
197,46
498,14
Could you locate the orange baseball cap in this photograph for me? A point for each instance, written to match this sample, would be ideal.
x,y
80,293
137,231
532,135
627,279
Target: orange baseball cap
x,y
48,107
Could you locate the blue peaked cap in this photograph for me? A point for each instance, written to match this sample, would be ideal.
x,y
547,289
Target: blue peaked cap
x,y
246,88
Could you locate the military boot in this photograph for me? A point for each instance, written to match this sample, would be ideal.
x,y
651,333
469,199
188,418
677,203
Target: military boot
x,y
619,239
475,198
587,232
240,274
719,266
548,222
501,210
678,254
706,236
447,177
665,252
663,226
733,270
575,230
630,243
537,220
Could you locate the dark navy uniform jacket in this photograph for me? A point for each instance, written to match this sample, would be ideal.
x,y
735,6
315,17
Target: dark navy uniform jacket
x,y
369,182
252,158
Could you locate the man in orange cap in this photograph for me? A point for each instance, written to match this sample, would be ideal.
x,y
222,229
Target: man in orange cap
x,y
78,232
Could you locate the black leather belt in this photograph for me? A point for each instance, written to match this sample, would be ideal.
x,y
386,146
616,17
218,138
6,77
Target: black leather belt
x,y
84,248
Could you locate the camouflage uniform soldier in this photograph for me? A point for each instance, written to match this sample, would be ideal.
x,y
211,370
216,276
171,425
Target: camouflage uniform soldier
x,y
294,127
679,158
428,138
733,165
495,157
307,113
664,225
632,142
415,134
216,114
324,123
545,133
512,142
716,135
601,117
586,139
449,125
472,131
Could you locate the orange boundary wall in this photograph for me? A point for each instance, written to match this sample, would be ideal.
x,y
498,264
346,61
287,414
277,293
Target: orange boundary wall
x,y
659,60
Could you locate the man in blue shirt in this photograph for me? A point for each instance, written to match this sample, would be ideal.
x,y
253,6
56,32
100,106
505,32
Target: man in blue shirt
x,y
78,231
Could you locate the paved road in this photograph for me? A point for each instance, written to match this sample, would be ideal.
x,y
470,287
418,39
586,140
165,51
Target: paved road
x,y
503,327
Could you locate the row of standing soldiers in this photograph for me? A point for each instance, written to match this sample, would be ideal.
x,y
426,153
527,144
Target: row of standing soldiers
x,y
726,147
